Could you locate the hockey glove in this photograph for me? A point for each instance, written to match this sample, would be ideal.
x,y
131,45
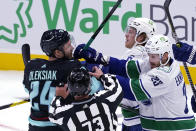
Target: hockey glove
x,y
183,52
193,104
91,55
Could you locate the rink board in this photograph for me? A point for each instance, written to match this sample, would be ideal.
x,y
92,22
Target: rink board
x,y
24,21
15,62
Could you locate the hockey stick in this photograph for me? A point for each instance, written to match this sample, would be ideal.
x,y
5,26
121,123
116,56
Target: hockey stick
x,y
14,104
174,35
26,53
102,24
26,57
129,108
95,35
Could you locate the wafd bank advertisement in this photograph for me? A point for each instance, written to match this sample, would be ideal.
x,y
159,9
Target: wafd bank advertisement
x,y
24,21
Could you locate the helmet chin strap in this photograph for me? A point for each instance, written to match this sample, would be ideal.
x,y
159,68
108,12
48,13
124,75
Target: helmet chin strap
x,y
164,64
139,43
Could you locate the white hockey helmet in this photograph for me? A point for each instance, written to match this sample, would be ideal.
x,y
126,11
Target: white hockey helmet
x,y
159,44
142,25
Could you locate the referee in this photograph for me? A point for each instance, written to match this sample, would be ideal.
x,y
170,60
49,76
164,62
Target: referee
x,y
75,110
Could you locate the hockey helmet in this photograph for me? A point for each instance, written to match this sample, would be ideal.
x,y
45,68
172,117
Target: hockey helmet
x,y
159,44
79,82
142,25
53,39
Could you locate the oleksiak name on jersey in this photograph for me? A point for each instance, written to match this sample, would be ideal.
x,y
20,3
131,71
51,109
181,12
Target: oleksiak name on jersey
x,y
43,75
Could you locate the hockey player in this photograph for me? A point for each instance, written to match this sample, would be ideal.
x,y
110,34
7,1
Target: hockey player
x,y
163,85
138,31
185,53
158,80
42,76
87,112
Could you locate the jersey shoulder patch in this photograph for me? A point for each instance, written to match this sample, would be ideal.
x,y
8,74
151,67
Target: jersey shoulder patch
x,y
165,69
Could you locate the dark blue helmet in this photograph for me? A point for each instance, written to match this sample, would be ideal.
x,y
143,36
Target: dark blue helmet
x,y
79,82
53,39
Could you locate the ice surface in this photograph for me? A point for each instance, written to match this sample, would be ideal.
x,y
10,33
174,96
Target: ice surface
x,y
16,118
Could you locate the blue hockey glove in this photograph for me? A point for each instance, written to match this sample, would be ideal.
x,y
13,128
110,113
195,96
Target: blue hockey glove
x,y
182,53
91,55
193,104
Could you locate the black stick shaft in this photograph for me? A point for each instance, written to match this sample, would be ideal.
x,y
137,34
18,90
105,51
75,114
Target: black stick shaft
x,y
102,24
26,57
14,104
26,53
129,108
174,35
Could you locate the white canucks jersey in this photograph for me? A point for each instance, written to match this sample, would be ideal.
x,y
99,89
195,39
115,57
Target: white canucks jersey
x,y
130,118
137,52
165,91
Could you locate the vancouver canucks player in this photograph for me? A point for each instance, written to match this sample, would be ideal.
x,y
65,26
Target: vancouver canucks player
x,y
138,31
158,80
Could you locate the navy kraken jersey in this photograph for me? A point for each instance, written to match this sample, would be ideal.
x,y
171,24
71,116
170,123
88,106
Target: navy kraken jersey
x,y
40,79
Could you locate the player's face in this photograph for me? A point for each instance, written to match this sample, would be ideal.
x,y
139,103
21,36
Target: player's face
x,y
130,37
68,49
154,60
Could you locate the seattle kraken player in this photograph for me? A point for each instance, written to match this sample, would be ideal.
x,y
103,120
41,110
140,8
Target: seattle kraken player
x,y
42,76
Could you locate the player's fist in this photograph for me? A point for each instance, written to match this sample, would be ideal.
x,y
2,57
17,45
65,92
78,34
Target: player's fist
x,y
97,72
62,91
90,54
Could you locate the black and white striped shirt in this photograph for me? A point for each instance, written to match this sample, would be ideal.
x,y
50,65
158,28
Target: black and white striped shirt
x,y
96,113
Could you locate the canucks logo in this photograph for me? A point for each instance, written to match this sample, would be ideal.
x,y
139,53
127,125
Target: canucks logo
x,y
15,19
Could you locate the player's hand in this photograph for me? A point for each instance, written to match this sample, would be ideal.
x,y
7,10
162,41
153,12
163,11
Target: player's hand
x,y
62,91
183,52
193,104
90,54
97,72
